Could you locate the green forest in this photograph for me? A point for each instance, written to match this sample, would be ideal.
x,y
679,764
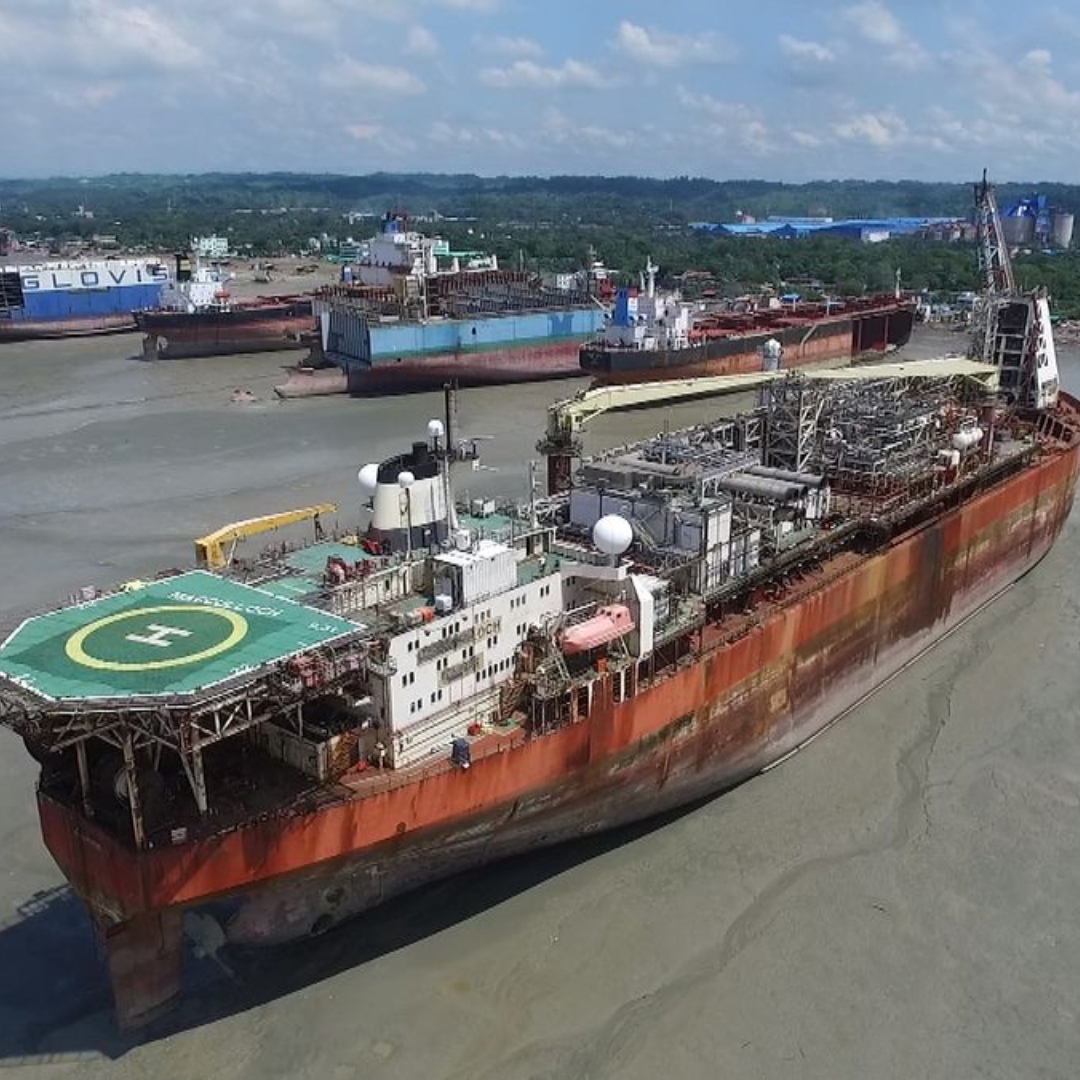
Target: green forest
x,y
548,223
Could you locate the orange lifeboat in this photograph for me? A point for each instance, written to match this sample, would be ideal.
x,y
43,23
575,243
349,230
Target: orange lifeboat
x,y
609,623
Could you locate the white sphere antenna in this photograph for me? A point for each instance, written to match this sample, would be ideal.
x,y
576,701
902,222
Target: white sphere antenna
x,y
368,479
613,534
435,429
405,479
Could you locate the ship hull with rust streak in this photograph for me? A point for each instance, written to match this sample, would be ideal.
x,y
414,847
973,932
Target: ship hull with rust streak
x,y
822,341
122,322
264,326
498,366
736,706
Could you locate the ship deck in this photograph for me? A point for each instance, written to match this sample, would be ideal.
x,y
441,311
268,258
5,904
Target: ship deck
x,y
177,637
185,637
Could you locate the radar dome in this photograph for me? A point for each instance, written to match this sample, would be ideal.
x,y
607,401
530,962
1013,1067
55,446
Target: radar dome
x,y
435,429
368,479
405,478
612,534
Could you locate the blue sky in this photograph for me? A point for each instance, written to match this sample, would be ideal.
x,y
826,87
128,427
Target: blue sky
x,y
776,89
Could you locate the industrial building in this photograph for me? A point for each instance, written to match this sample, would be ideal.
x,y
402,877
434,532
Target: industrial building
x,y
1032,222
866,230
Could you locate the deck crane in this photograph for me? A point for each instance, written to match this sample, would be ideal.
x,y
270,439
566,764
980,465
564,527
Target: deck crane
x,y
210,549
561,442
995,266
1010,328
565,419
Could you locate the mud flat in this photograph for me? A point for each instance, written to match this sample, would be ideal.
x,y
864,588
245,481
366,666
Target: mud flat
x,y
897,900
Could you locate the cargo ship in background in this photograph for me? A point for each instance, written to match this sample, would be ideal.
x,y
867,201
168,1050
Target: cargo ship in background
x,y
77,298
256,750
413,315
196,316
656,335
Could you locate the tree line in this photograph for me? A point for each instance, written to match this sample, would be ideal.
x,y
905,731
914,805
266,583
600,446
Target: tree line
x,y
555,223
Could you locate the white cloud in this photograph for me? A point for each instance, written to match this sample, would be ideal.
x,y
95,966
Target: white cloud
x,y
248,81
98,39
446,133
1027,91
811,52
723,111
529,74
362,132
875,23
877,129
421,42
1035,82
500,45
735,122
327,19
345,73
657,48
559,128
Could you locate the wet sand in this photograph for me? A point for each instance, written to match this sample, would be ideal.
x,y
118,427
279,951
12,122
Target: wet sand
x,y
897,900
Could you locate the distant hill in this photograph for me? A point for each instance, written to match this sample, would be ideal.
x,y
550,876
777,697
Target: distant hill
x,y
593,199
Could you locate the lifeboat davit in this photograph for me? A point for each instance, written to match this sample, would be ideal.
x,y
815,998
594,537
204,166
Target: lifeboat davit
x,y
609,623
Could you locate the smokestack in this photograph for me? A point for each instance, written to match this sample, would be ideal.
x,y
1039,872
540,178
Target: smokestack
x,y
450,397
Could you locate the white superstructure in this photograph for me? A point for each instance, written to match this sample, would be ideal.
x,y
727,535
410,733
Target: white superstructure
x,y
647,320
397,251
197,288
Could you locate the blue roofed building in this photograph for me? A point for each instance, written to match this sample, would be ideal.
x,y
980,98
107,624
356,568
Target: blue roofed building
x,y
866,230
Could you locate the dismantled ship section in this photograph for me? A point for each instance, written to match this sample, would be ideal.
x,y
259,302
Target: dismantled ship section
x,y
476,327
316,730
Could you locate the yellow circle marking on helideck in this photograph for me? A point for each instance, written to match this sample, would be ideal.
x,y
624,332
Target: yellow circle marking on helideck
x,y
75,644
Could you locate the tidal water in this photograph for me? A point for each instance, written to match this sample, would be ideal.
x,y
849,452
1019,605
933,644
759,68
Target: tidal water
x,y
896,901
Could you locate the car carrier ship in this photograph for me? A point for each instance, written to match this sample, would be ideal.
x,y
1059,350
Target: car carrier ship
x,y
77,298
293,738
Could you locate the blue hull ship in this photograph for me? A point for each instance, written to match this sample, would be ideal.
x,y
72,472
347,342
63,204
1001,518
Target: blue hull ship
x,y
69,299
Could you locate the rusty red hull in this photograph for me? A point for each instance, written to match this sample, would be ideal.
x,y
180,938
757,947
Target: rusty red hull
x,y
499,366
749,696
122,322
805,341
257,326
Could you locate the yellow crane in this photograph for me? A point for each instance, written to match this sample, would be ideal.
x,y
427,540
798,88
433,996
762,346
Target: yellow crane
x,y
210,549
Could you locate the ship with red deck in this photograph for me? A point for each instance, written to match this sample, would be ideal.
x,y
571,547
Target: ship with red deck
x,y
196,315
654,335
257,750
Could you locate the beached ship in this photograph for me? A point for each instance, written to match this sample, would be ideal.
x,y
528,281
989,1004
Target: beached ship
x,y
254,751
196,315
655,335
414,314
77,298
